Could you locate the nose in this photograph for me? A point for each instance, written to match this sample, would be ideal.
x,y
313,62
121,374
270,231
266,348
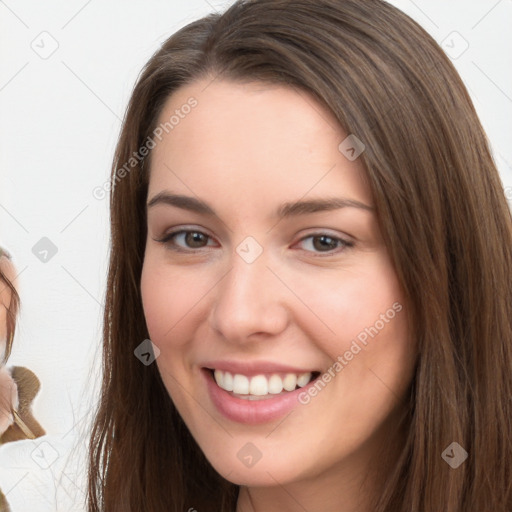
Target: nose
x,y
249,303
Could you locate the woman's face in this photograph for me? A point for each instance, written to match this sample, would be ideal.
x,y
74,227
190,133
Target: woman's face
x,y
276,273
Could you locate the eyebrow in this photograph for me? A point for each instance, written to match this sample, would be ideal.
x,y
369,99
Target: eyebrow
x,y
289,209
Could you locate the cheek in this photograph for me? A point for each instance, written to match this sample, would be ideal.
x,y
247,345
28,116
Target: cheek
x,y
159,303
170,298
353,305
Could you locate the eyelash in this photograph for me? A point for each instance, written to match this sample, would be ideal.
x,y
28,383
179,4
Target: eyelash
x,y
168,241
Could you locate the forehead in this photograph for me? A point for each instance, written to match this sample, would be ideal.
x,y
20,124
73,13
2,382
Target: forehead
x,y
265,138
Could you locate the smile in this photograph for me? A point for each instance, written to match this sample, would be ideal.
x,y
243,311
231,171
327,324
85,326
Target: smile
x,y
262,385
254,396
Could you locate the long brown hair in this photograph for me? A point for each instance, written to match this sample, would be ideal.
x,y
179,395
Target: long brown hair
x,y
443,215
12,308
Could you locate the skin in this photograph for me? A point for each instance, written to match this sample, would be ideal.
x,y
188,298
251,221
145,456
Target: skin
x,y
245,150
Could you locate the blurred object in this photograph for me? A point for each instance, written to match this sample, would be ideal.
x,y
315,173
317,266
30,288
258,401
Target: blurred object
x,y
4,506
24,425
9,303
18,385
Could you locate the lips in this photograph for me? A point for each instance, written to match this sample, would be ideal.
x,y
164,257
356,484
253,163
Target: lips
x,y
253,393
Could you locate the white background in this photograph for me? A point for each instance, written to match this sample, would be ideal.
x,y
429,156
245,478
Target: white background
x,y
59,121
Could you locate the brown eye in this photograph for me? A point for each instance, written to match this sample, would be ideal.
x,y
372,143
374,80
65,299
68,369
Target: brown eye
x,y
195,239
184,240
324,243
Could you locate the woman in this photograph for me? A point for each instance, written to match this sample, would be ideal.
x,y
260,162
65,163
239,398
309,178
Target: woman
x,y
308,225
10,301
18,385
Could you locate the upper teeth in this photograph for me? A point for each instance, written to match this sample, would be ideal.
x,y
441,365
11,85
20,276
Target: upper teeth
x,y
259,384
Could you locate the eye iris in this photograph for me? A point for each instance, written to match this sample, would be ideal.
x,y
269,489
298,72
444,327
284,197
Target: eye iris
x,y
327,243
195,239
